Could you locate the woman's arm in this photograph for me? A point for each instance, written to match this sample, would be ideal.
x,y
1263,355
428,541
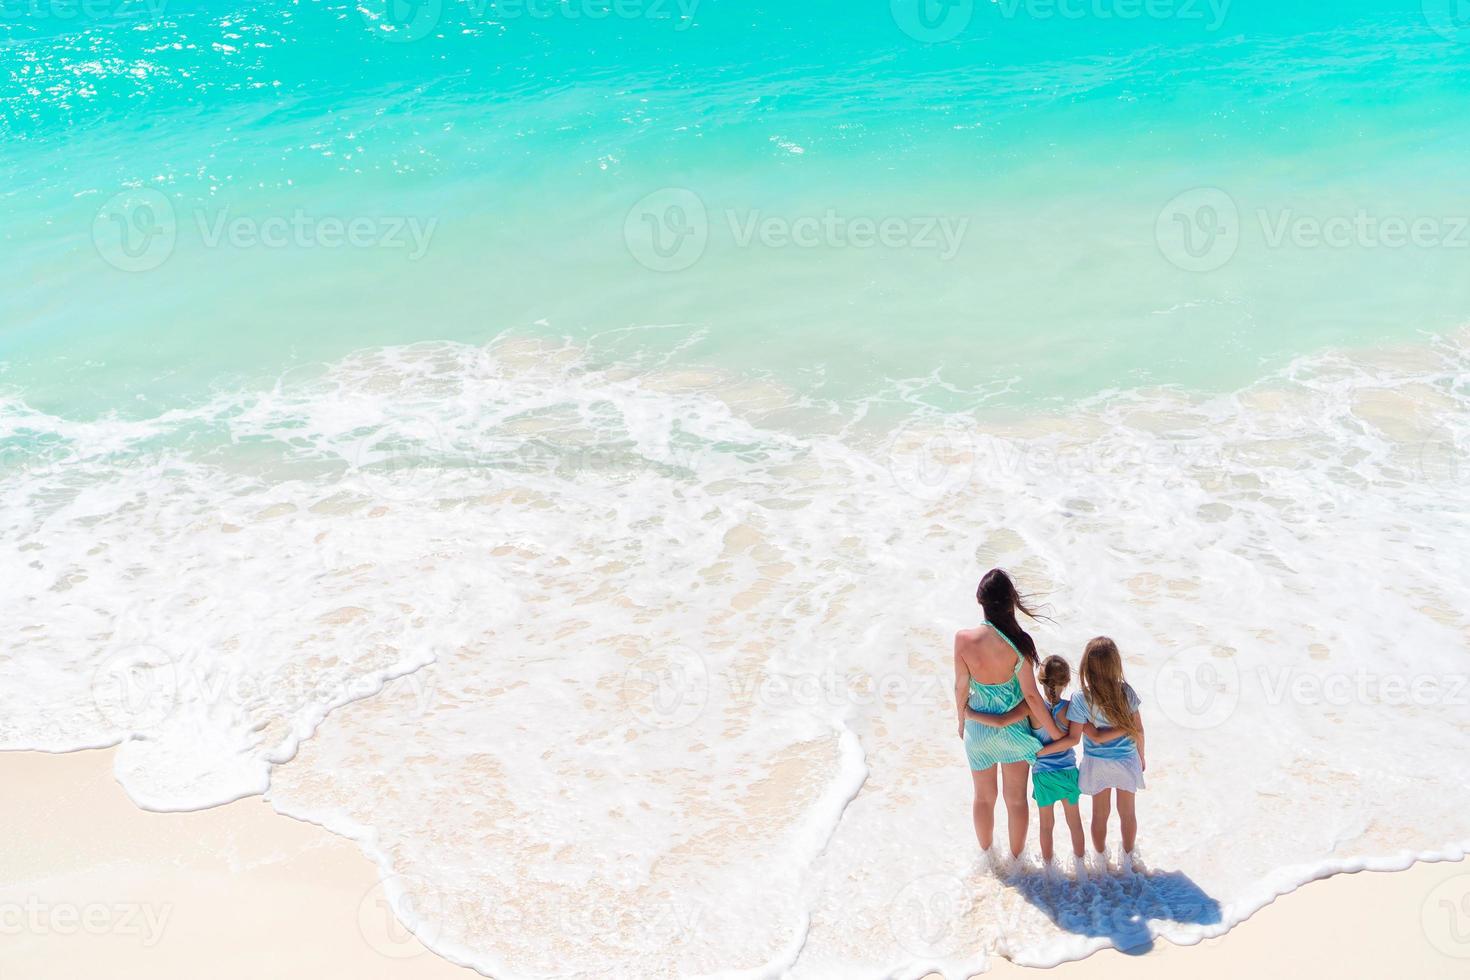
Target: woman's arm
x,y
961,685
999,721
1113,734
1036,704
1072,737
1101,735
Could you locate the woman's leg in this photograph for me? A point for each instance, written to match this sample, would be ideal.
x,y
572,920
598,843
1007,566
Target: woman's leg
x,y
1128,819
1048,822
984,809
1100,808
1013,784
1073,813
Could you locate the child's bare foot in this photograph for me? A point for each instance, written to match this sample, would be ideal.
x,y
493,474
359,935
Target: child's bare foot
x,y
1079,867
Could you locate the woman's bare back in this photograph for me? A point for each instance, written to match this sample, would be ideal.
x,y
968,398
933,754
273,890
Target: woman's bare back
x,y
988,657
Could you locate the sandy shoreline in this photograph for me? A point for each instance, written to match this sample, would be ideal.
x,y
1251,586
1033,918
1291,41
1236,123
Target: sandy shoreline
x,y
244,892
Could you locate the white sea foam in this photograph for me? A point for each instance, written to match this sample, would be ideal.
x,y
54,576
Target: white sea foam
x,y
647,673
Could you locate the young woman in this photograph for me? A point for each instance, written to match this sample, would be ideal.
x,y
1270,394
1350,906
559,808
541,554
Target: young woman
x,y
989,680
1054,773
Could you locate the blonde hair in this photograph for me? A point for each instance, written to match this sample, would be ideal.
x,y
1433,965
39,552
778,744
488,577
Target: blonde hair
x,y
1053,677
1102,684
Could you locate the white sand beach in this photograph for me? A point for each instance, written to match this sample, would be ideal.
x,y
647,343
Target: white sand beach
x,y
93,886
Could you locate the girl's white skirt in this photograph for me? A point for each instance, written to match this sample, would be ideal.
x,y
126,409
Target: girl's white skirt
x,y
1096,775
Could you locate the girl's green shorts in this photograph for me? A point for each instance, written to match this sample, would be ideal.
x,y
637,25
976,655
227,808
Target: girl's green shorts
x,y
1058,784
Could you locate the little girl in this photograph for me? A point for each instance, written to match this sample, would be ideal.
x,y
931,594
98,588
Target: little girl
x,y
1054,773
1054,776
1112,757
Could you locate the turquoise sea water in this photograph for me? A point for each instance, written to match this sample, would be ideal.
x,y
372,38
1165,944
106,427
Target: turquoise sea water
x,y
552,445
522,135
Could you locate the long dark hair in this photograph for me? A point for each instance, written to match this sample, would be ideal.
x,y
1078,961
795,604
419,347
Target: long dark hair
x,y
997,595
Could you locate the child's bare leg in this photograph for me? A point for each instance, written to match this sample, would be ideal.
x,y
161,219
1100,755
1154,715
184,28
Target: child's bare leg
x,y
1101,806
1128,819
984,809
1048,821
1013,786
1073,813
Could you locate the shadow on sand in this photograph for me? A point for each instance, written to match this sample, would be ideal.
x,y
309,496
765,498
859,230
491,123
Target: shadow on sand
x,y
1118,906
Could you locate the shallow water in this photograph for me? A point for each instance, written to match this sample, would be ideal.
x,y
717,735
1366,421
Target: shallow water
x,y
677,678
193,173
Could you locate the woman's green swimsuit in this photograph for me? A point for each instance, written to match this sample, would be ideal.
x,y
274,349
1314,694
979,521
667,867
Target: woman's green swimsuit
x,y
987,745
